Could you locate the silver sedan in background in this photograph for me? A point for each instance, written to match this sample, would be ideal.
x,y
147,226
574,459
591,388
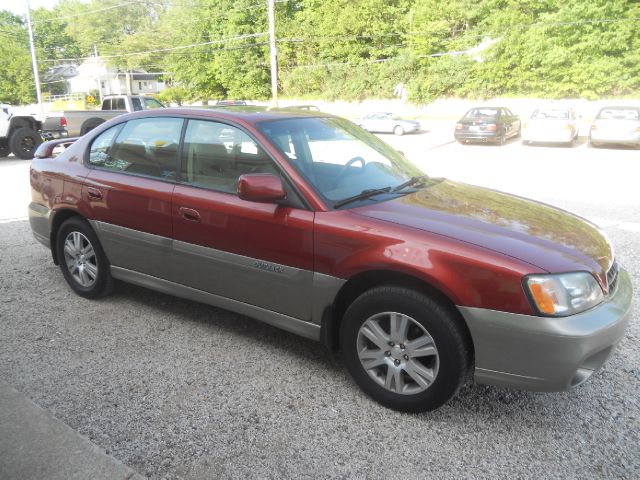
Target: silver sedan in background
x,y
551,125
616,125
384,122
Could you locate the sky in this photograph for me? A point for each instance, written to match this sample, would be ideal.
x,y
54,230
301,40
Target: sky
x,y
19,7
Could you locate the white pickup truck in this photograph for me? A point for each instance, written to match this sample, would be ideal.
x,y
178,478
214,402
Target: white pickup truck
x,y
78,122
20,133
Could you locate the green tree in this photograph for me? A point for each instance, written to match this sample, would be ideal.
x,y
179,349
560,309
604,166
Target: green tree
x,y
16,76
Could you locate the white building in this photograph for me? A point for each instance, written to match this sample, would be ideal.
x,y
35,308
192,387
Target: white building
x,y
93,74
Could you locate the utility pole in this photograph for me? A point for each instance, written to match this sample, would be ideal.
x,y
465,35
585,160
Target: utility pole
x,y
34,63
273,53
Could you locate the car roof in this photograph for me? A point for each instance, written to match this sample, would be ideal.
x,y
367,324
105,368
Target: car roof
x,y
246,114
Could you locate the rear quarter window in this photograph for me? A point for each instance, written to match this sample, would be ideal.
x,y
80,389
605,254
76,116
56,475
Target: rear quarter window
x,y
147,146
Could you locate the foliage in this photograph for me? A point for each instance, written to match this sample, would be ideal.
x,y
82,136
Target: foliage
x,y
346,49
16,75
177,95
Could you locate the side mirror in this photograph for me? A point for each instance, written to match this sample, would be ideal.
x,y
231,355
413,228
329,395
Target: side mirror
x,y
261,187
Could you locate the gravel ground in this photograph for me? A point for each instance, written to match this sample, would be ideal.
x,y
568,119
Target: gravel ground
x,y
176,389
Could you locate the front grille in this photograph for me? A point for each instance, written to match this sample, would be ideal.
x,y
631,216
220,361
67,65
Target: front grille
x,y
612,277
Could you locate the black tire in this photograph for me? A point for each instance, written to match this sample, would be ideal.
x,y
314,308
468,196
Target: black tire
x,y
398,130
103,282
453,354
4,150
90,124
23,142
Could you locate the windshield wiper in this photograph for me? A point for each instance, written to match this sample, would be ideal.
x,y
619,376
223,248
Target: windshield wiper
x,y
362,195
410,183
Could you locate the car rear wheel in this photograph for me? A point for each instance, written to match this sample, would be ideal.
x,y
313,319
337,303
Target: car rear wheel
x,y
90,124
398,130
82,260
404,349
24,142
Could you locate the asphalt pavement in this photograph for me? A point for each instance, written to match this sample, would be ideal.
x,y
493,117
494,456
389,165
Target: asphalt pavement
x,y
175,389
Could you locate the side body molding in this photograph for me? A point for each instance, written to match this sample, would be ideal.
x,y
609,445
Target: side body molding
x,y
290,324
151,261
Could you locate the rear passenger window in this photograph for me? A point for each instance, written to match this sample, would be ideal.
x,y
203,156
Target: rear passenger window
x,y
136,104
215,155
119,104
148,146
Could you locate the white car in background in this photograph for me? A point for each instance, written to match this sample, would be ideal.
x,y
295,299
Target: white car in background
x,y
384,122
616,125
551,125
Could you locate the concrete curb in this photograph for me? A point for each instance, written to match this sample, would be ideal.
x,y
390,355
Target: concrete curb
x,y
34,445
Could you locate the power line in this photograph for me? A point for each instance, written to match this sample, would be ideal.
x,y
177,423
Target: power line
x,y
144,4
82,14
181,47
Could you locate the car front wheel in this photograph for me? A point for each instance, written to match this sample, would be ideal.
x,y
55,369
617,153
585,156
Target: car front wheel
x,y
82,260
404,349
398,130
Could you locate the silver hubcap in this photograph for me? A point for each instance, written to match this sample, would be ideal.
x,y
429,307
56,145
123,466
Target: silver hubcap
x,y
398,353
80,259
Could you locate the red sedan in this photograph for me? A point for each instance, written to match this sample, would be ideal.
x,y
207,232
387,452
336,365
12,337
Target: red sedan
x,y
309,223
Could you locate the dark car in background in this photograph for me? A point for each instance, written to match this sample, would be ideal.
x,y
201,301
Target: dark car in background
x,y
616,125
488,124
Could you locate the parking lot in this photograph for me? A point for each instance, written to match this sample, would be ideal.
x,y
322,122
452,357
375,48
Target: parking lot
x,y
176,389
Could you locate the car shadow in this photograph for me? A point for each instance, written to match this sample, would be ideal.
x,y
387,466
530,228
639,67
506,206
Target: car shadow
x,y
180,309
614,146
470,399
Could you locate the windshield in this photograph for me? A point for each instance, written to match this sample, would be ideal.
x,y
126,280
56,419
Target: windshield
x,y
337,158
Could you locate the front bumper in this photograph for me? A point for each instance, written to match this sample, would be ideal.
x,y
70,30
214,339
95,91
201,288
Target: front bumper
x,y
543,353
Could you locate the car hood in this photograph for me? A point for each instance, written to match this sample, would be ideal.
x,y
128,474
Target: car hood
x,y
543,236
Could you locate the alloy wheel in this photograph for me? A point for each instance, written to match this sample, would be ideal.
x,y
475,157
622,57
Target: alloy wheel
x,y
398,353
80,259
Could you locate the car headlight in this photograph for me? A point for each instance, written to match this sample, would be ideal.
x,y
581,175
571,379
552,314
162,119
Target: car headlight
x,y
564,294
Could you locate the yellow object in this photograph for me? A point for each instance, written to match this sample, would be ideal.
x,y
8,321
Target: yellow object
x,y
543,297
68,105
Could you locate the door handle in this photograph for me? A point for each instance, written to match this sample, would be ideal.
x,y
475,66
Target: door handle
x,y
189,214
94,193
